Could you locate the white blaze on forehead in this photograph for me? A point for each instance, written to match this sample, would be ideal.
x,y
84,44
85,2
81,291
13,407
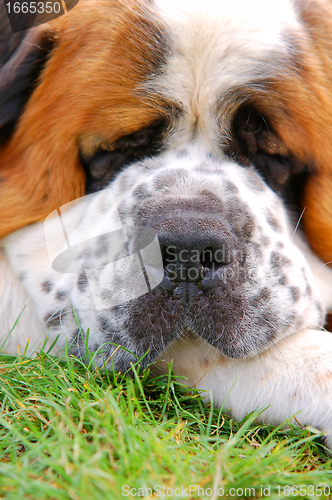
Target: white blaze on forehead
x,y
219,45
260,20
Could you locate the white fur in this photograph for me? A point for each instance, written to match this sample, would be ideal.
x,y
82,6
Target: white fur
x,y
294,377
14,301
218,46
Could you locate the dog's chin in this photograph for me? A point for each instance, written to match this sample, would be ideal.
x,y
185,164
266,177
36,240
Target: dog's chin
x,y
236,324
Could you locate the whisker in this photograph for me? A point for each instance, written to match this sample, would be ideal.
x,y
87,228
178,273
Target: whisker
x,y
298,222
321,267
267,126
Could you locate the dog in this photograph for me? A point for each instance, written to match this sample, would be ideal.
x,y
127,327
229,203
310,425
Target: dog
x,y
165,186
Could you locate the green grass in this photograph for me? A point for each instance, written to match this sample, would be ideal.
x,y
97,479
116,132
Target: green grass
x,y
69,431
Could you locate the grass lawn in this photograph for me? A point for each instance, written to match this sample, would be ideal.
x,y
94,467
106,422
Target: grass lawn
x,y
69,431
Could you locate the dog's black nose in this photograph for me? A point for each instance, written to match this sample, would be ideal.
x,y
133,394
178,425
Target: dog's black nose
x,y
196,250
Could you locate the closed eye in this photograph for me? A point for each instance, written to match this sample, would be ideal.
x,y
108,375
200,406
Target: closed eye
x,y
103,165
254,143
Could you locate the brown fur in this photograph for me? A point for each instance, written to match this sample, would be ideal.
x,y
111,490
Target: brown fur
x,y
318,193
298,103
40,168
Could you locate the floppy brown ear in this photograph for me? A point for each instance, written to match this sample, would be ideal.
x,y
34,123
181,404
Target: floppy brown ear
x,y
22,57
73,97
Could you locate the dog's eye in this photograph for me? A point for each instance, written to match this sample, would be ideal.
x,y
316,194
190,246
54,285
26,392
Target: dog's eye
x,y
104,164
255,143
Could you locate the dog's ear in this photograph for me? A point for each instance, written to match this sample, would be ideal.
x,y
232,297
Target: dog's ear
x,y
22,57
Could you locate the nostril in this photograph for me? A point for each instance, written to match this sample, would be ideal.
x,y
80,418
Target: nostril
x,y
206,257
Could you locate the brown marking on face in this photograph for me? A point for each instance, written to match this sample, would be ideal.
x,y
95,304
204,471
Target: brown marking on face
x,y
317,197
297,101
104,52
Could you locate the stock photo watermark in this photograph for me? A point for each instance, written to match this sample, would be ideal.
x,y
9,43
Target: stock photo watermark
x,y
195,265
26,14
124,262
196,491
121,262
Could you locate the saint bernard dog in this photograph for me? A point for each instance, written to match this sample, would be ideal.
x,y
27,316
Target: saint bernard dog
x,y
166,186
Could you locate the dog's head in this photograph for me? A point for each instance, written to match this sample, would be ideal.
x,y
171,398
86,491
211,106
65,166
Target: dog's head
x,y
201,126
